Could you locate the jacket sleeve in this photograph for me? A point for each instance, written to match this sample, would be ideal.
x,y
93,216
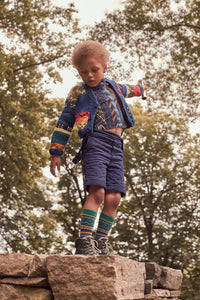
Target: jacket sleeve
x,y
65,124
130,91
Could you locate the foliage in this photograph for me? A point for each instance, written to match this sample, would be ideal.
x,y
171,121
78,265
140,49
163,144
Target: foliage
x,y
161,210
161,38
72,194
160,218
36,38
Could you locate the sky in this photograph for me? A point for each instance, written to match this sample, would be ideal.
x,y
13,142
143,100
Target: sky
x,y
94,10
90,11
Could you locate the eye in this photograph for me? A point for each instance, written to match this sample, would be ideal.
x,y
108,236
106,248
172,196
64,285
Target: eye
x,y
83,72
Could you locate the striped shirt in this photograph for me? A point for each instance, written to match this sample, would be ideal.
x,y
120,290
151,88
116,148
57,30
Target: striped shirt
x,y
109,114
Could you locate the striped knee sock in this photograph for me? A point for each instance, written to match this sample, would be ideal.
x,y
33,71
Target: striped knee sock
x,y
104,226
87,222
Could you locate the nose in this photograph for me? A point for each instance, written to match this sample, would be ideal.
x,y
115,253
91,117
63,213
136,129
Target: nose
x,y
90,74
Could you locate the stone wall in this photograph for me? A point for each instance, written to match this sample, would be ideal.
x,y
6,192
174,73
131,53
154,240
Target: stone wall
x,y
77,277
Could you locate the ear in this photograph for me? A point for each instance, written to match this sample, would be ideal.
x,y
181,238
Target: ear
x,y
105,68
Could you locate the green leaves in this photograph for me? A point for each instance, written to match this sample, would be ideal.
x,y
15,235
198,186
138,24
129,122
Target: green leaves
x,y
36,38
159,219
161,38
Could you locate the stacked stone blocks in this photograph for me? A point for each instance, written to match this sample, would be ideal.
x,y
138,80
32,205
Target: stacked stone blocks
x,y
78,277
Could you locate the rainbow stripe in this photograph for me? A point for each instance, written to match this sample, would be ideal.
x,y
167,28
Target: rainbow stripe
x,y
105,224
87,222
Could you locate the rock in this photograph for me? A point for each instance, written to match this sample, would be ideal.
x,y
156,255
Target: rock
x,y
161,293
25,281
40,277
163,277
9,292
153,297
175,294
153,272
38,266
95,277
148,286
170,279
14,265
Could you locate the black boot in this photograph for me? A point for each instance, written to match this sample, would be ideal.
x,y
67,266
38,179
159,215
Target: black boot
x,y
104,246
86,246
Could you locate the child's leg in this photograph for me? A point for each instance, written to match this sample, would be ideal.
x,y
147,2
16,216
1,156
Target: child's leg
x,y
94,199
107,217
85,244
111,203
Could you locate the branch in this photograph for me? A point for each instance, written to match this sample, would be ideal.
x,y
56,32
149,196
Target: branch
x,y
179,25
76,182
164,191
128,177
39,63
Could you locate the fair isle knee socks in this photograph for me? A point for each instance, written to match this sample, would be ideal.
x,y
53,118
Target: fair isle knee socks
x,y
104,226
87,222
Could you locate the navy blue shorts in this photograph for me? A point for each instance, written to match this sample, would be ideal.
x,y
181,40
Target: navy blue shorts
x,y
102,157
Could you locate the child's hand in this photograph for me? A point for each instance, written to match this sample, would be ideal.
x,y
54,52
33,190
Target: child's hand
x,y
55,164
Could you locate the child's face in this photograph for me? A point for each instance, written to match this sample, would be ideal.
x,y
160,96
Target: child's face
x,y
92,71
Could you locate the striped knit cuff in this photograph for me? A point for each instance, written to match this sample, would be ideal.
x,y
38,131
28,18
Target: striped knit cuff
x,y
87,222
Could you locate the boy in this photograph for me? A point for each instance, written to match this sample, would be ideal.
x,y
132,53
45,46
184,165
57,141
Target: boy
x,y
98,108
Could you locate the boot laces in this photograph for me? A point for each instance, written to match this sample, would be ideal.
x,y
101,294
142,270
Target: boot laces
x,y
105,245
92,246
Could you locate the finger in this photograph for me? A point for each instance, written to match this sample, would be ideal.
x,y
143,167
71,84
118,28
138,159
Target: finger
x,y
53,170
58,166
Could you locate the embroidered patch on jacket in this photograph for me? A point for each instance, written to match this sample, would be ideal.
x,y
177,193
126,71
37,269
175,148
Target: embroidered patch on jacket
x,y
82,119
74,93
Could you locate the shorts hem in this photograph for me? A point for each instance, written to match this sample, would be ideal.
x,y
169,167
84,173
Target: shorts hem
x,y
122,191
94,183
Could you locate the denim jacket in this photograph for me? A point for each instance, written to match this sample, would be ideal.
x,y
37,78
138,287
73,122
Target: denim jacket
x,y
81,108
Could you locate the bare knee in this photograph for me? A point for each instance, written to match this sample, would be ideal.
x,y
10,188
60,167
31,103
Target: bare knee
x,y
96,194
112,200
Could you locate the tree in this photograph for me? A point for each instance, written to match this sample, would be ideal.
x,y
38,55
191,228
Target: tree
x,y
36,39
160,218
162,38
72,194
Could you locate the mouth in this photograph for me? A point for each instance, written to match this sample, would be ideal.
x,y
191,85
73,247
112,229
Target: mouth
x,y
91,82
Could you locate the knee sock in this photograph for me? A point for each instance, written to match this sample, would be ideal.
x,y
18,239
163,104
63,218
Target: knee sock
x,y
104,226
87,222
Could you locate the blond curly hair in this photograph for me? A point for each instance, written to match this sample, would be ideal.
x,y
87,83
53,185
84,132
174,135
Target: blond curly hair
x,y
89,49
